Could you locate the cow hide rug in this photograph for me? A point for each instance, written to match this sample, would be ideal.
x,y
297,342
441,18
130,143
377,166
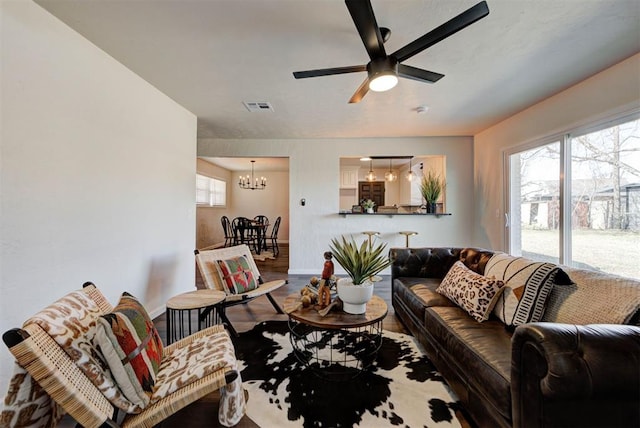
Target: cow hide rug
x,y
401,388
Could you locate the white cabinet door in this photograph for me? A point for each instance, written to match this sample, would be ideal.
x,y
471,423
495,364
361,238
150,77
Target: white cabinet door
x,y
349,178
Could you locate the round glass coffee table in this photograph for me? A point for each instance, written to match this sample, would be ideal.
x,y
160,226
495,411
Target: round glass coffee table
x,y
338,346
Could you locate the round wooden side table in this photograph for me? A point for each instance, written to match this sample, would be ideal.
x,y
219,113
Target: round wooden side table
x,y
203,302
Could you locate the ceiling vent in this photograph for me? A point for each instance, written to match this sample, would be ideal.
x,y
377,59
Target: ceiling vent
x,y
255,106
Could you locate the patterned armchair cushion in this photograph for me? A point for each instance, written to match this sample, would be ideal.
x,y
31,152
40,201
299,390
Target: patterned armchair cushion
x,y
27,404
237,275
72,323
132,348
528,285
474,293
191,361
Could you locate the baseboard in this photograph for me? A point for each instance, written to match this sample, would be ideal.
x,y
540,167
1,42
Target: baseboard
x,y
212,246
155,313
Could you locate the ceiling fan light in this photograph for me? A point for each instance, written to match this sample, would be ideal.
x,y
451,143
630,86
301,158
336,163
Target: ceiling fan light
x,y
383,82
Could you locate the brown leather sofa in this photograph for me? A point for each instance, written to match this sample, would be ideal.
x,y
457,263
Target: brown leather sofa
x,y
544,374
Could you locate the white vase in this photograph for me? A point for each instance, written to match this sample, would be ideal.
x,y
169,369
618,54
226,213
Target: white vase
x,y
354,297
370,210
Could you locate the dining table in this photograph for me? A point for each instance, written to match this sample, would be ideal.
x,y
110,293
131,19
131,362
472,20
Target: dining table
x,y
253,228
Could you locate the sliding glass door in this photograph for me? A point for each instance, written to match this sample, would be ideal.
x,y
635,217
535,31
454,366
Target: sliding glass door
x,y
535,202
575,199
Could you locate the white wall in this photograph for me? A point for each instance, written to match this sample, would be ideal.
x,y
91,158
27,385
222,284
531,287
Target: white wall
x,y
610,92
97,174
315,173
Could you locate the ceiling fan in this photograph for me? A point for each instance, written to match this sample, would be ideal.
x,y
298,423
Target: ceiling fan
x,y
383,70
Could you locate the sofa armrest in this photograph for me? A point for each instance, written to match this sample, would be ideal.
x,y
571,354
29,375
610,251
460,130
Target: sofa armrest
x,y
575,375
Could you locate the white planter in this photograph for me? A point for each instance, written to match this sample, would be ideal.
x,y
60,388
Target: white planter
x,y
354,297
370,210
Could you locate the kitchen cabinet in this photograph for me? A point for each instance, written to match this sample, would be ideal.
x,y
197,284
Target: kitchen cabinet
x,y
349,178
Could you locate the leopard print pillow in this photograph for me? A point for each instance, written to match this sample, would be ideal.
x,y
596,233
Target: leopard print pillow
x,y
474,293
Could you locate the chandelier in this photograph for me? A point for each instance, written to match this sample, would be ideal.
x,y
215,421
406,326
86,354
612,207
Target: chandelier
x,y
252,183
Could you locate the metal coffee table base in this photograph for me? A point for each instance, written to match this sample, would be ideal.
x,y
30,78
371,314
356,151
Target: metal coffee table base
x,y
336,354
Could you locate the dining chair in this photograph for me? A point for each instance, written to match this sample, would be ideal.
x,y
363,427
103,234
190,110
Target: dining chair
x,y
263,221
234,271
273,238
228,232
241,230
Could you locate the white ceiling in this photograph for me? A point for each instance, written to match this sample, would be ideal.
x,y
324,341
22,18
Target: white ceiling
x,y
211,55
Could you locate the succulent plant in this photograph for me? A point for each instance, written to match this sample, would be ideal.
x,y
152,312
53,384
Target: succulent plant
x,y
361,262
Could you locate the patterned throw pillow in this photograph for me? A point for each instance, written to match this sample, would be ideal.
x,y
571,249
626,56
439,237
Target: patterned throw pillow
x,y
473,292
237,275
528,285
132,348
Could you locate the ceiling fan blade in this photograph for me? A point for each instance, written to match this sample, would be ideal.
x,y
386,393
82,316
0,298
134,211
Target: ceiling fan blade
x,y
329,71
447,29
418,74
360,92
362,15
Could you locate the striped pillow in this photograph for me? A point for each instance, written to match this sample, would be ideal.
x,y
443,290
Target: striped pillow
x,y
132,348
527,286
237,275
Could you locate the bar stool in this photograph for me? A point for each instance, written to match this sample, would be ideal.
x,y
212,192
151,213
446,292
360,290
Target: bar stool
x,y
371,233
204,302
407,234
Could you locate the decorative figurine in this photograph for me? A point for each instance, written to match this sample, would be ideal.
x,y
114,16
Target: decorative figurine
x,y
324,292
327,271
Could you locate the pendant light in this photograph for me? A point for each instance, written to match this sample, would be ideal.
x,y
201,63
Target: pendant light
x,y
410,174
371,176
390,175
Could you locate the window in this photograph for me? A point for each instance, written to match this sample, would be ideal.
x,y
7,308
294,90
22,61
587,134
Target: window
x,y
210,191
575,199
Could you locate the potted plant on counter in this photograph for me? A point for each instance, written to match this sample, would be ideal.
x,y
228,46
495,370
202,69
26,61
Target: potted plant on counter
x,y
362,262
368,205
431,186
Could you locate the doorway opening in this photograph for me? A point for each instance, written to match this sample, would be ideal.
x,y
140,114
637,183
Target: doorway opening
x,y
271,201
